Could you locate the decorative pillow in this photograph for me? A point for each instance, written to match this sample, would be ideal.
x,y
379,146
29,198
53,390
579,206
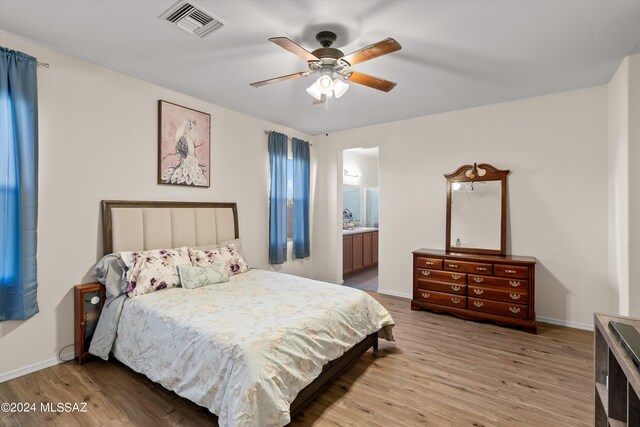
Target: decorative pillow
x,y
195,277
150,271
212,246
236,242
228,256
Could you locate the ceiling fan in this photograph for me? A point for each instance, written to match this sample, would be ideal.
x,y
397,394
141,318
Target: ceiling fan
x,y
332,65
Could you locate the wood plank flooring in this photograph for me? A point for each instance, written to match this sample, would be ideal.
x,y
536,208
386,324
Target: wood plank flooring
x,y
365,280
441,371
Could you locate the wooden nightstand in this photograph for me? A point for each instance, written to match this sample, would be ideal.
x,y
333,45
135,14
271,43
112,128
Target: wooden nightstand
x,y
88,301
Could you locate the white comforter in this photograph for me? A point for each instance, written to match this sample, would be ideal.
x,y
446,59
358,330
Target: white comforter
x,y
245,348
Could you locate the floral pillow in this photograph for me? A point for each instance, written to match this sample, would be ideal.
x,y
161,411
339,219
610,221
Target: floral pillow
x,y
194,277
227,255
150,271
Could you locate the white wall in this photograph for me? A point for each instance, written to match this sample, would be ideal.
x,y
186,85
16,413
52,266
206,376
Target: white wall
x,y
618,175
98,140
634,184
555,146
624,186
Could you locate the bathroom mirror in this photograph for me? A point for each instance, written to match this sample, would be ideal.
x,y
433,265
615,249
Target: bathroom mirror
x,y
351,215
477,210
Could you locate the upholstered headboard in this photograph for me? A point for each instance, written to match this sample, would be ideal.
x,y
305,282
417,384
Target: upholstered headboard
x,y
141,225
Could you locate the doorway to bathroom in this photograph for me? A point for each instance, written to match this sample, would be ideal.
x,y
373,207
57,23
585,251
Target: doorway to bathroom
x,y
360,218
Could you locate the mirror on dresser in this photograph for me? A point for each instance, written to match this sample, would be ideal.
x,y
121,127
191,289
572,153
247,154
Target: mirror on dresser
x,y
476,209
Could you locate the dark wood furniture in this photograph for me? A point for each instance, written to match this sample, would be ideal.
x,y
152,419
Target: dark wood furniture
x,y
330,371
477,287
476,173
88,300
347,254
359,251
617,379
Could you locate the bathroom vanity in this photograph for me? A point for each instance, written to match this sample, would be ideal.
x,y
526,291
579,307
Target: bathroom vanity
x,y
359,249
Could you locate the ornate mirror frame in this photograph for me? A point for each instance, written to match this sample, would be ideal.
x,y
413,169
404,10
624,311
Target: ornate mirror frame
x,y
471,173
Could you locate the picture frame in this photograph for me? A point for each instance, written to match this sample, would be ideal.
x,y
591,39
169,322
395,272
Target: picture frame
x,y
184,146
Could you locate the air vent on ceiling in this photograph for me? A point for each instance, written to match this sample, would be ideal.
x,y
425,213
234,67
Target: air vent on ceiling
x,y
192,19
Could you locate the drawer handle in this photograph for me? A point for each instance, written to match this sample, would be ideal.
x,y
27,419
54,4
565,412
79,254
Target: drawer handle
x,y
453,266
455,288
478,279
425,295
510,271
478,303
481,268
428,263
514,296
514,283
514,310
478,291
426,272
455,276
455,300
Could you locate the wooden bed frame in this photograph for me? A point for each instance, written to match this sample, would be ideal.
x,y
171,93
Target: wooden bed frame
x,y
330,371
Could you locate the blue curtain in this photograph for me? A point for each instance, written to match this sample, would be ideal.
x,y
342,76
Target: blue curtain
x,y
278,198
18,185
301,246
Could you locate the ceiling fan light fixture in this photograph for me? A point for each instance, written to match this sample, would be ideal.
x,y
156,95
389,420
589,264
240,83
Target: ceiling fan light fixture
x,y
339,88
315,91
325,84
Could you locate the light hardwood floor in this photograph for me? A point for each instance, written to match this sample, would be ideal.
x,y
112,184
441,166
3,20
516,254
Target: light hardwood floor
x,y
441,371
365,280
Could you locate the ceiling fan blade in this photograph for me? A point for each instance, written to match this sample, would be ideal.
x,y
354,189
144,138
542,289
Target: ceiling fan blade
x,y
322,100
383,47
280,79
294,48
374,82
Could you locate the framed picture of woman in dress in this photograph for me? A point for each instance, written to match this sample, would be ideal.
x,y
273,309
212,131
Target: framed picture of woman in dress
x,y
184,145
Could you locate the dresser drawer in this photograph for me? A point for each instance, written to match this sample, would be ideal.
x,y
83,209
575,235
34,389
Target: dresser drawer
x,y
429,263
501,282
441,276
441,298
452,288
468,267
509,295
497,307
512,271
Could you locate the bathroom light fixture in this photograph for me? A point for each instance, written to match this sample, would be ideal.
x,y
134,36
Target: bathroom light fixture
x,y
455,186
352,172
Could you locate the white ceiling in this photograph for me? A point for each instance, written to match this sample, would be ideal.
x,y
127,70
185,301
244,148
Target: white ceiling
x,y
455,54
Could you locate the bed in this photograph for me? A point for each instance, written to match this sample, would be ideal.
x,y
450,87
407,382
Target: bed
x,y
254,350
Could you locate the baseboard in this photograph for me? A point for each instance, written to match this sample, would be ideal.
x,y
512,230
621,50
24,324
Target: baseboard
x,y
568,324
395,293
35,367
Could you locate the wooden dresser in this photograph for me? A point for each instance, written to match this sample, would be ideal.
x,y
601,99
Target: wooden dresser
x,y
476,287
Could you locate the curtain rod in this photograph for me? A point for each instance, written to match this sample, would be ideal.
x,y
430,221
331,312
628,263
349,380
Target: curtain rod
x,y
288,138
43,64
